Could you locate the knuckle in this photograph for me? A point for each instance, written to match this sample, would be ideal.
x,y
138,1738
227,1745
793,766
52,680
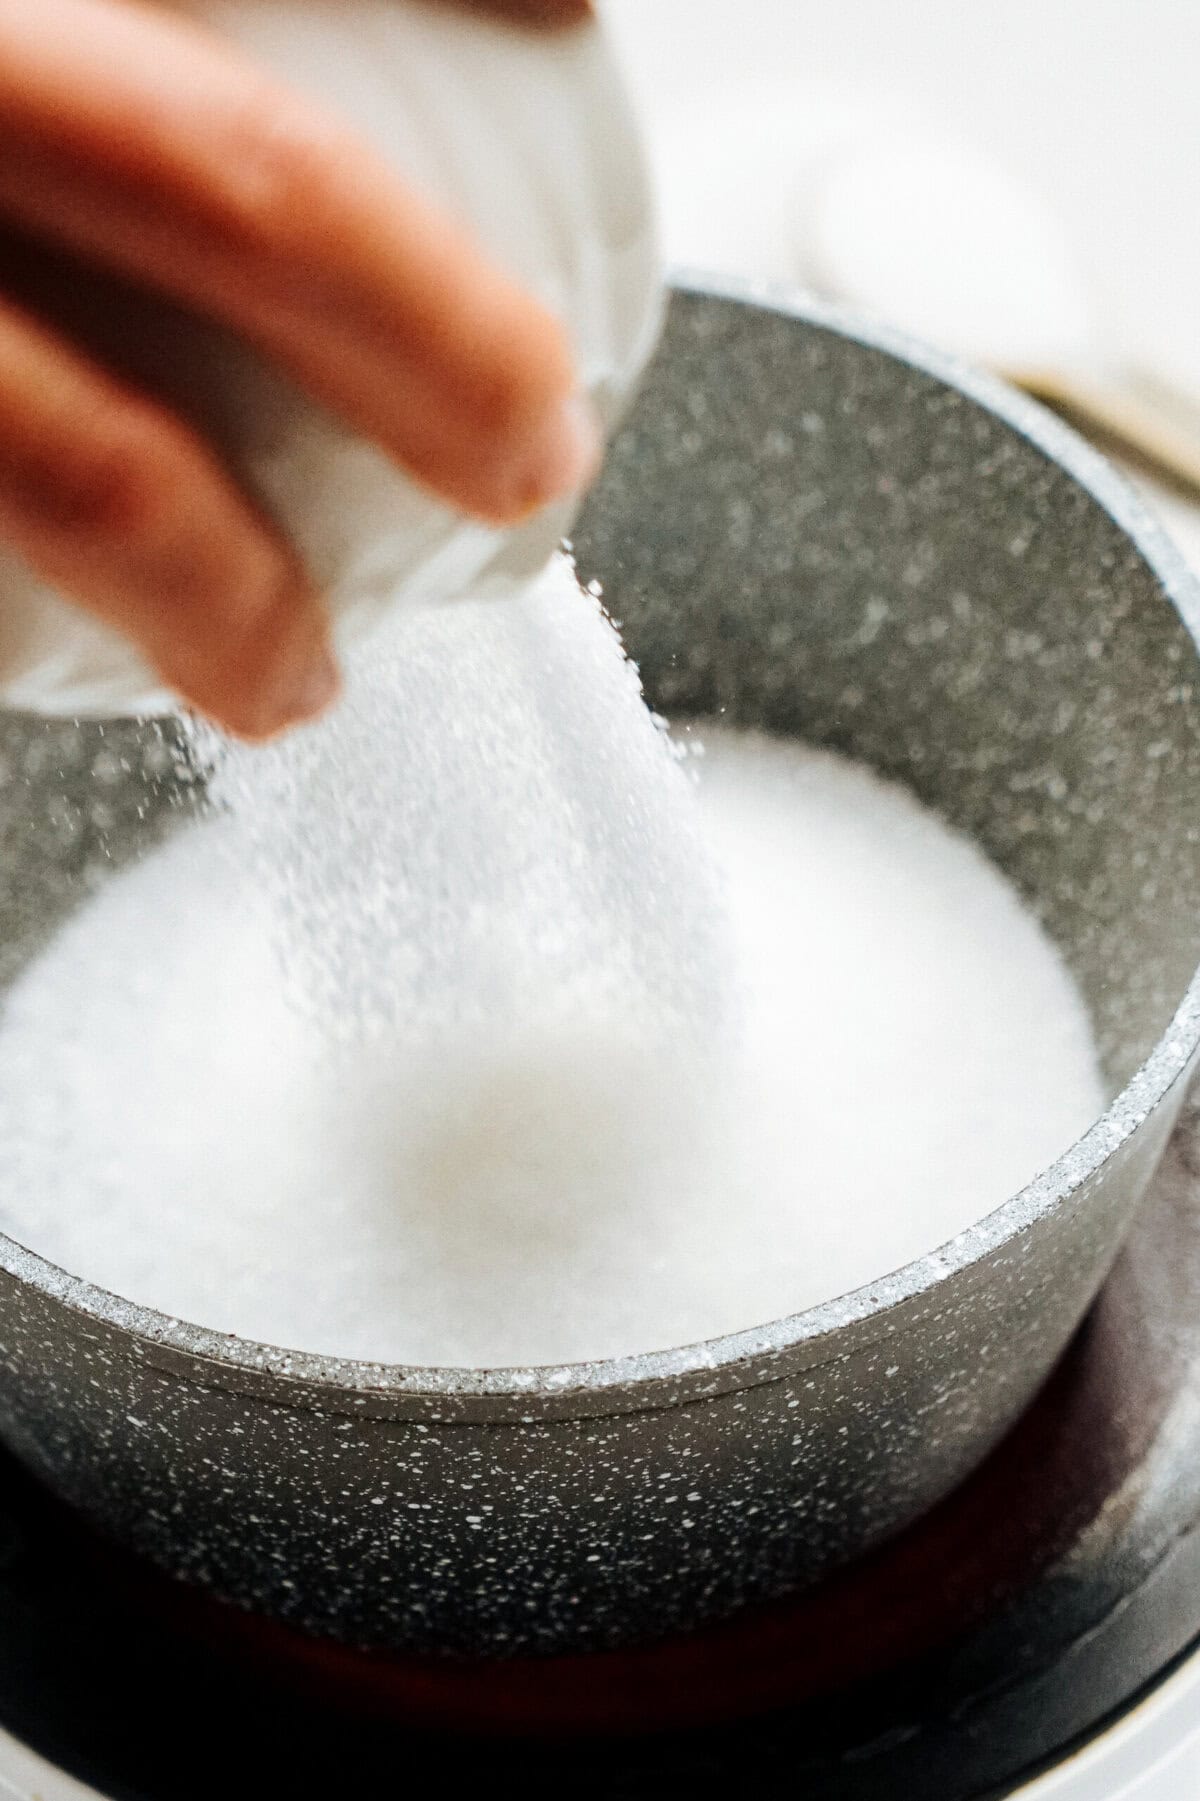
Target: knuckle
x,y
281,161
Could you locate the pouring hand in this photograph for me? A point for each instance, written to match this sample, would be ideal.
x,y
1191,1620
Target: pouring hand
x,y
135,140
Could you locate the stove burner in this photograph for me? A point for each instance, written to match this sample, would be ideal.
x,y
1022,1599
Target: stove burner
x,y
1042,1597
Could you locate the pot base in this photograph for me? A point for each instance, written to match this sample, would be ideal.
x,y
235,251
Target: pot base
x,y
1012,1618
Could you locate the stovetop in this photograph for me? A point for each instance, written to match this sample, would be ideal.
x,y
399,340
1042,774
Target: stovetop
x,y
1035,1604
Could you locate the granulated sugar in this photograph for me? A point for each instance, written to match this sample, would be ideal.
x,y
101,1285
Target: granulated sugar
x,y
453,1068
493,831
916,1049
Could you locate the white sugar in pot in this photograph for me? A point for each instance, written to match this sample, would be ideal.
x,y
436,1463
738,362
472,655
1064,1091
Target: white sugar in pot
x,y
1031,670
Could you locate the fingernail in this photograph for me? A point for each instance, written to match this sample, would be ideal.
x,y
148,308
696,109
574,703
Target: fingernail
x,y
563,457
306,681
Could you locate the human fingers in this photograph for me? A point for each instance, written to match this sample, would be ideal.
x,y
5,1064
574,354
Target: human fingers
x,y
113,500
148,145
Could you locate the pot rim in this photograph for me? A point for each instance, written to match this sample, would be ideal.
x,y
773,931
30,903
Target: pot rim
x,y
733,1359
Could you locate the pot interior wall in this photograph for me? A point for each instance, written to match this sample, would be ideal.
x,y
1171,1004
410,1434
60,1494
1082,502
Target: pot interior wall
x,y
801,534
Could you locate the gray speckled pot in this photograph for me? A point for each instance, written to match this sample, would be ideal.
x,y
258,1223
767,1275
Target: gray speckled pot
x,y
817,530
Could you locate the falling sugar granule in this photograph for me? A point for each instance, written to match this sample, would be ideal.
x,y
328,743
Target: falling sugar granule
x,y
443,1042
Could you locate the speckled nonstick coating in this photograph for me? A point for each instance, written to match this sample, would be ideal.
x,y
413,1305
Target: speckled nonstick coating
x,y
817,529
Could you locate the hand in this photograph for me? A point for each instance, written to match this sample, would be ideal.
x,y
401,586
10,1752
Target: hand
x,y
135,140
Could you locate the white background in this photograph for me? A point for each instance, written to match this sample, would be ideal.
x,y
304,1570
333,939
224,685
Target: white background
x,y
1095,102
